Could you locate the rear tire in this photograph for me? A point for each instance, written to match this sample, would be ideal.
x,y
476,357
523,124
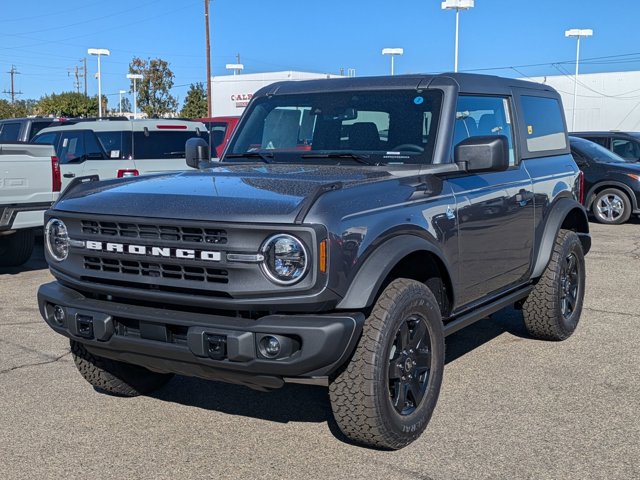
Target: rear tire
x,y
611,207
16,249
385,396
552,310
114,377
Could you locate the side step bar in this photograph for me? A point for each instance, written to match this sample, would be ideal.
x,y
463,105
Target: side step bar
x,y
485,310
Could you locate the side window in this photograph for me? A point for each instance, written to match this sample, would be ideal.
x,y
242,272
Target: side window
x,y
544,125
480,116
627,149
91,147
47,139
36,127
9,132
72,147
117,145
217,130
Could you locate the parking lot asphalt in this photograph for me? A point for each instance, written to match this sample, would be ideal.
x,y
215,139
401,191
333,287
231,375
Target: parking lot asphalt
x,y
510,407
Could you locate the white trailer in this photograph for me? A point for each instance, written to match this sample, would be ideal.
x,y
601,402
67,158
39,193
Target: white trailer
x,y
231,93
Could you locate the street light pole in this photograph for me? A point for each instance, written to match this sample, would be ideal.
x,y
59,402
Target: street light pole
x,y
577,33
134,77
457,5
392,52
99,52
208,40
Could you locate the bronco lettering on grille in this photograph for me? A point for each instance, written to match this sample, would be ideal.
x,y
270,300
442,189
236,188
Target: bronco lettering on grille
x,y
154,251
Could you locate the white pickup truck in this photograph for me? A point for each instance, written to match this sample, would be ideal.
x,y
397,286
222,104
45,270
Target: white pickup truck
x,y
30,182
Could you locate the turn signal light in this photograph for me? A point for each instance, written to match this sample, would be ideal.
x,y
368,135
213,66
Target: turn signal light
x,y
323,256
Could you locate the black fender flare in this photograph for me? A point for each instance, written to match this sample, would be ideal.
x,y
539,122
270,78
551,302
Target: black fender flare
x,y
559,212
378,265
611,184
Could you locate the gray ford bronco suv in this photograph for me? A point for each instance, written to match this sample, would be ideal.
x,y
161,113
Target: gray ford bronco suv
x,y
349,226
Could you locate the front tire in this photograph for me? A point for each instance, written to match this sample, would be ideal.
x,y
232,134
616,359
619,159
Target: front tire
x,y
114,377
385,396
612,207
552,310
16,249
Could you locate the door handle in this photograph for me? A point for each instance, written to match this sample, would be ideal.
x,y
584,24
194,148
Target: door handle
x,y
69,175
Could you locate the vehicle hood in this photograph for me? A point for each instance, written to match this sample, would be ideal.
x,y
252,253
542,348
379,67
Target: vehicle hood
x,y
247,193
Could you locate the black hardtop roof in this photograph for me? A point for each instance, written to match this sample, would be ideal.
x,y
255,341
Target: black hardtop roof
x,y
466,82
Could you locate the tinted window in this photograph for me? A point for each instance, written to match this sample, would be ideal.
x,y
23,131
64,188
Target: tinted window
x,y
481,116
165,144
385,126
117,145
217,130
49,138
544,124
628,149
71,148
91,147
9,132
599,140
37,126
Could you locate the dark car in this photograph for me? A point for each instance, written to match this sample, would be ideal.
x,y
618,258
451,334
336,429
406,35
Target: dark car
x,y
24,129
623,144
350,225
611,183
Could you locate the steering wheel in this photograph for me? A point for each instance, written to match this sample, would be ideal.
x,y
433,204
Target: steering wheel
x,y
412,147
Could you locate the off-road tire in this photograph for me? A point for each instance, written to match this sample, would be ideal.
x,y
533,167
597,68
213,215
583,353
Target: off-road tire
x,y
360,396
114,377
542,310
626,205
16,249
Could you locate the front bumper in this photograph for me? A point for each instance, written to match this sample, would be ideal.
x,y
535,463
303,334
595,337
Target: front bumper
x,y
202,345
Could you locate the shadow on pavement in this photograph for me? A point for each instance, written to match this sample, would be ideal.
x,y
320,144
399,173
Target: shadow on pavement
x,y
304,403
36,262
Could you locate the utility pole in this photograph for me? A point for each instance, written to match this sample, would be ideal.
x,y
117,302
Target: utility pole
x,y
13,72
77,75
84,75
208,40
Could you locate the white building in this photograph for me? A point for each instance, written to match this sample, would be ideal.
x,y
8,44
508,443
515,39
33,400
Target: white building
x,y
606,101
230,94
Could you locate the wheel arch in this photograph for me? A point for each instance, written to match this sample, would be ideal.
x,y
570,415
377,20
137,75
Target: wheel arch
x,y
598,187
400,257
565,214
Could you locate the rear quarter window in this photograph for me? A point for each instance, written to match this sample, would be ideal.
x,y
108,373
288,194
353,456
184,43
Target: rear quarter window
x,y
161,144
543,124
9,131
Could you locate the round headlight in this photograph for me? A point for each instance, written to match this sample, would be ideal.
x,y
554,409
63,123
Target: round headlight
x,y
285,259
57,239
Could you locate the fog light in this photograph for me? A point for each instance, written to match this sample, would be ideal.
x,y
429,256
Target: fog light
x,y
58,315
271,346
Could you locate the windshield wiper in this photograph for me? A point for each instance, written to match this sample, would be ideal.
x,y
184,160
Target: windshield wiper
x,y
266,157
364,159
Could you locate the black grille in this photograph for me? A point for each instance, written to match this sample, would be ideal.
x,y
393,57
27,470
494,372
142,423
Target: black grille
x,y
156,270
211,236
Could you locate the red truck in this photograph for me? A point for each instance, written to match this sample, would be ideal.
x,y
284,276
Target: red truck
x,y
220,129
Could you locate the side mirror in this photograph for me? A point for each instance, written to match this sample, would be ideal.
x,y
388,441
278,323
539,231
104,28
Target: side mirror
x,y
197,151
483,153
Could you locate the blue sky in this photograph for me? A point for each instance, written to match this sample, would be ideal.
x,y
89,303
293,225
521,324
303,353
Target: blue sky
x,y
44,39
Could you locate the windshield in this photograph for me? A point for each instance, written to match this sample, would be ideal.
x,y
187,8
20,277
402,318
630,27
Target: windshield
x,y
372,127
593,151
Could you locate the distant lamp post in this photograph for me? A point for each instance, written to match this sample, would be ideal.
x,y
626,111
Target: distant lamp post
x,y
134,77
393,52
457,5
98,52
577,33
120,93
236,67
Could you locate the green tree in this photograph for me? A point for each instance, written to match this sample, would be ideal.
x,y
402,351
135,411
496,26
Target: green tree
x,y
195,104
21,108
154,90
69,104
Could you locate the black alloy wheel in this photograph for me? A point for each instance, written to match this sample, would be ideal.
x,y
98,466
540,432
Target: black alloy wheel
x,y
409,365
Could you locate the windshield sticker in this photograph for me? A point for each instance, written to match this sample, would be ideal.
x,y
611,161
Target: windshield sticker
x,y
418,100
115,153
